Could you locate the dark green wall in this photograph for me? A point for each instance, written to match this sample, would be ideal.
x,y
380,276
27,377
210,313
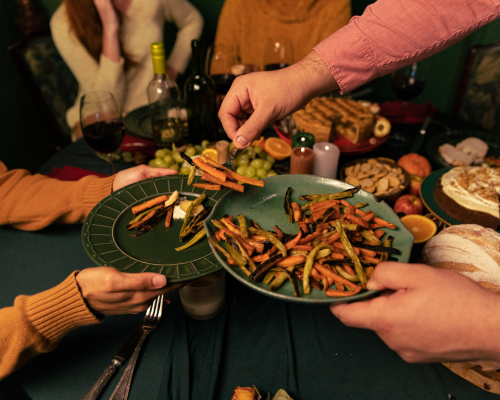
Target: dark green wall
x,y
25,142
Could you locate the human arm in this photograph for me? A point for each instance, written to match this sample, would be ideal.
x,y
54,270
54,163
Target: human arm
x,y
190,24
35,324
110,28
31,202
428,314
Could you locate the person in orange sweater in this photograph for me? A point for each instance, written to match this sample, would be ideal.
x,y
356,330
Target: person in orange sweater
x,y
244,29
35,324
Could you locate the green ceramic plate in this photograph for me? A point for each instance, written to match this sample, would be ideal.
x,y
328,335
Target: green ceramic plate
x,y
454,137
265,207
138,123
108,242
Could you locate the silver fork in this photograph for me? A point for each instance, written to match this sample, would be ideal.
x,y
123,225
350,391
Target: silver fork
x,y
229,164
150,323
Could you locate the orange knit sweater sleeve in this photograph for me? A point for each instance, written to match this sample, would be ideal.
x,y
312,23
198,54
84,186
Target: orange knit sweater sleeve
x,y
35,324
31,202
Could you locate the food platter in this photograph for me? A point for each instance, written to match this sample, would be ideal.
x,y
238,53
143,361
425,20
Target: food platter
x,y
345,146
108,242
454,137
265,207
427,195
138,123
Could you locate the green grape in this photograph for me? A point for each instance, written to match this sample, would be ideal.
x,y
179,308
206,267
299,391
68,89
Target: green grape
x,y
231,146
258,150
242,156
174,166
245,162
250,172
152,162
160,153
250,151
168,159
241,170
198,148
160,163
270,158
271,173
204,144
190,151
261,173
178,158
257,163
127,157
185,170
267,165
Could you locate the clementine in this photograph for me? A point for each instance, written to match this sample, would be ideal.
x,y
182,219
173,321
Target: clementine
x,y
277,148
423,228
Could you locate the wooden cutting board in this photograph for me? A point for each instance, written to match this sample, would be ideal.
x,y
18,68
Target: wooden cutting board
x,y
486,380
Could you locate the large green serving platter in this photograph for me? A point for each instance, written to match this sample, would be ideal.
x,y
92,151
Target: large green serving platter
x,y
108,242
265,207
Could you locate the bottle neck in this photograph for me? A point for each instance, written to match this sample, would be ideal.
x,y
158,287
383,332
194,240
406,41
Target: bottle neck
x,y
198,59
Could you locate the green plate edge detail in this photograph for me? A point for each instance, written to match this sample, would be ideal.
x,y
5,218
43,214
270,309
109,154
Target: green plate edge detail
x,y
107,246
138,123
273,194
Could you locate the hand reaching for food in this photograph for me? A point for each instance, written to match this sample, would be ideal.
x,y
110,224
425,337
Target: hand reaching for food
x,y
428,314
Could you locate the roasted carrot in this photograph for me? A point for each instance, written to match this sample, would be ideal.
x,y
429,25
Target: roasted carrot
x,y
369,272
207,186
369,215
301,247
148,204
168,220
294,241
231,185
341,246
371,260
357,220
291,261
336,277
381,222
379,233
233,175
349,269
332,238
209,169
338,293
297,212
323,204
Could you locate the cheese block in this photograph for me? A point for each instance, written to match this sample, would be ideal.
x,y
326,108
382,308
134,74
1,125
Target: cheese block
x,y
469,249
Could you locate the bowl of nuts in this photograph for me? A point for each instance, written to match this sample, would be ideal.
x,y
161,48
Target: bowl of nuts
x,y
380,176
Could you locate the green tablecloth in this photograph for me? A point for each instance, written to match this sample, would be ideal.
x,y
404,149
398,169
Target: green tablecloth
x,y
256,340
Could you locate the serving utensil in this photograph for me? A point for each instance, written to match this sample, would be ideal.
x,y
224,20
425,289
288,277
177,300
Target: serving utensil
x,y
229,164
149,324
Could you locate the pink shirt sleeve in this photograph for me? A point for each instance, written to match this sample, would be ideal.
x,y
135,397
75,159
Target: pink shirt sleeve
x,y
394,33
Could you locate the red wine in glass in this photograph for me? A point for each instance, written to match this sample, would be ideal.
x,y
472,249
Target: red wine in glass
x,y
406,88
101,123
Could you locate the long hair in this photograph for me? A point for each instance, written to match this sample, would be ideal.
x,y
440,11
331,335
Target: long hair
x,y
87,26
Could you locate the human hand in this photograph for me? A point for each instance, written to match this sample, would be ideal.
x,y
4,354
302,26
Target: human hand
x,y
257,99
139,173
429,315
110,292
108,15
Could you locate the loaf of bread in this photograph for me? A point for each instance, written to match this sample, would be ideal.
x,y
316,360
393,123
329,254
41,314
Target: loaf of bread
x,y
323,115
472,250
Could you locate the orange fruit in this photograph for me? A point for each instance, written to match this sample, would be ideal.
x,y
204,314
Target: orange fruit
x,y
277,148
261,142
210,153
422,227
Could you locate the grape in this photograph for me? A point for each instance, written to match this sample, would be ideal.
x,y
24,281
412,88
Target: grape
x,y
271,173
185,170
267,165
258,150
160,163
257,163
231,146
245,162
168,159
204,144
198,148
250,151
243,156
190,151
178,158
270,158
174,166
160,153
152,162
250,172
127,156
241,170
261,173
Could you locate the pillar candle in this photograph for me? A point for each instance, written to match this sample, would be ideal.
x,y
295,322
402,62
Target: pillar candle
x,y
326,157
301,161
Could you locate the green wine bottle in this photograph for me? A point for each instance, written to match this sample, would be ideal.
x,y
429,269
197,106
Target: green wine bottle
x,y
199,91
164,99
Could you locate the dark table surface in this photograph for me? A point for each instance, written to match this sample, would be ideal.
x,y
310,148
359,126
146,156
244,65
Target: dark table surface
x,y
256,340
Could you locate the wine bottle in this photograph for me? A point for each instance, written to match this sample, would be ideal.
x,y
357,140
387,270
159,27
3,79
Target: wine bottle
x,y
164,98
199,91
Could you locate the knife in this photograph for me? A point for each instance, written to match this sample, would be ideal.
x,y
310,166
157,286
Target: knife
x,y
121,356
417,143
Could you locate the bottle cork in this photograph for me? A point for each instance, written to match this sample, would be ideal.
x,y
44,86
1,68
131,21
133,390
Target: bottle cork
x,y
222,147
238,70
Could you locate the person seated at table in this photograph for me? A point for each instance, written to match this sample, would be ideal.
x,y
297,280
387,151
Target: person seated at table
x,y
35,324
244,28
106,44
425,314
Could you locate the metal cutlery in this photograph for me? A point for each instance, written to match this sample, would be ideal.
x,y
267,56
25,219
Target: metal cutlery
x,y
150,323
229,164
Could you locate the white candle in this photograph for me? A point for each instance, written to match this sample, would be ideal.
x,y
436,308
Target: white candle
x,y
326,159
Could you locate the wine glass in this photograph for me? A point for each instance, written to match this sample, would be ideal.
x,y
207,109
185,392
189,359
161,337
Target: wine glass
x,y
278,53
101,123
406,83
223,58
